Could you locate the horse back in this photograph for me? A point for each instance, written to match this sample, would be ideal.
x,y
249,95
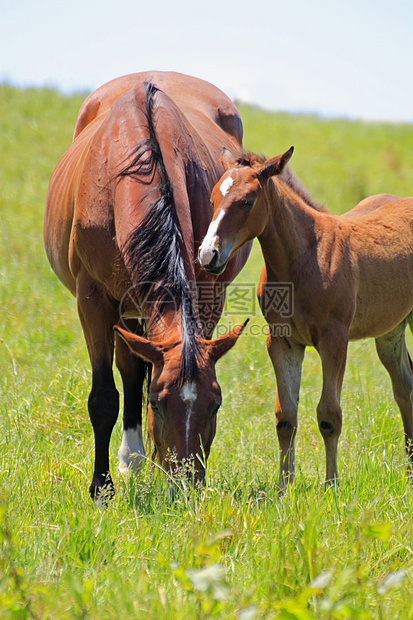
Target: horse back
x,y
381,240
196,98
369,204
90,211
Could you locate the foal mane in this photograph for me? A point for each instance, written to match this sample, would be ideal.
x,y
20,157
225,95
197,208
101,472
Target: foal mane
x,y
152,252
249,159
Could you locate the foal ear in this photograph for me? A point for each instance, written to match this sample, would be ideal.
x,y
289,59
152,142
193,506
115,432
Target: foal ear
x,y
275,165
217,348
227,159
141,346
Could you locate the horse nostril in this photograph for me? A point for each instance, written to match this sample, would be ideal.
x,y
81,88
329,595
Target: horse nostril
x,y
214,259
207,256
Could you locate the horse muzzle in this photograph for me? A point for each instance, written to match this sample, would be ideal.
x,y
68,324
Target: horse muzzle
x,y
212,260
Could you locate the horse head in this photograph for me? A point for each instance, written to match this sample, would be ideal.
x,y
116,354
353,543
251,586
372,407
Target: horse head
x,y
182,410
239,207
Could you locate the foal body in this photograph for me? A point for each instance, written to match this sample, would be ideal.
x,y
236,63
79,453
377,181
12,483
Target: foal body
x,y
352,278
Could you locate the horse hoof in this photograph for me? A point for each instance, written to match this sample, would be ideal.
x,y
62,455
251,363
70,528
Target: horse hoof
x,y
101,494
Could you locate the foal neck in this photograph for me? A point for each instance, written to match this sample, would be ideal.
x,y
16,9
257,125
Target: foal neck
x,y
292,225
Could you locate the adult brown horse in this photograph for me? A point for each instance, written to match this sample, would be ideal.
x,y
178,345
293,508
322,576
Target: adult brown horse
x,y
126,209
352,278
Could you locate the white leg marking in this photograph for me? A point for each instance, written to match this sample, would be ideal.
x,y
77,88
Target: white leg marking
x,y
131,452
189,396
207,247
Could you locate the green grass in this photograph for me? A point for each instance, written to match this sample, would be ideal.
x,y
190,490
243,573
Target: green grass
x,y
236,550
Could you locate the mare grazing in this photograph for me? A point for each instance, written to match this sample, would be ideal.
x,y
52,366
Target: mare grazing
x,y
127,206
352,278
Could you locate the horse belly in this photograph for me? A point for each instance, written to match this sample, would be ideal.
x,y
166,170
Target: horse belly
x,y
382,310
58,225
60,208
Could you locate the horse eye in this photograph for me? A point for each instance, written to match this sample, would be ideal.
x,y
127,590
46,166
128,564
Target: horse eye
x,y
155,406
248,202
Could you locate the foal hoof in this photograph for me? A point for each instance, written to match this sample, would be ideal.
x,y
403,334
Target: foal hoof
x,y
331,483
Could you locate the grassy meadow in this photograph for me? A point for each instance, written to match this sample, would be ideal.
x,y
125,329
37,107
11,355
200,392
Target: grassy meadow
x,y
236,550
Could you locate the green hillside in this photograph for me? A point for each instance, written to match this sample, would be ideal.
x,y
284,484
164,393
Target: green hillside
x,y
235,550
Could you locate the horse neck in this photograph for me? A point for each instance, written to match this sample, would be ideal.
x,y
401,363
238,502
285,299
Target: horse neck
x,y
174,322
166,325
177,331
291,228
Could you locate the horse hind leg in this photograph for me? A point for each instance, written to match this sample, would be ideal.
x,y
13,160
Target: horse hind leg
x,y
393,354
133,371
332,349
97,317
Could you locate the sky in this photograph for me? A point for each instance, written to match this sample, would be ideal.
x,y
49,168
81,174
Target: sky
x,y
337,58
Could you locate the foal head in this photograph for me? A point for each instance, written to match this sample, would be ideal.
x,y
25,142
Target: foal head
x,y
183,407
239,207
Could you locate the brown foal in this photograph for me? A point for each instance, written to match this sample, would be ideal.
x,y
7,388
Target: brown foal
x,y
352,278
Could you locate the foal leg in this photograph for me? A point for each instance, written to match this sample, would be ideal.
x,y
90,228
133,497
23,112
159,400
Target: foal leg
x,y
97,315
287,358
132,370
333,352
393,354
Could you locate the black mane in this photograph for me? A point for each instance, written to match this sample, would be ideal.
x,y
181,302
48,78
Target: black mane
x,y
152,252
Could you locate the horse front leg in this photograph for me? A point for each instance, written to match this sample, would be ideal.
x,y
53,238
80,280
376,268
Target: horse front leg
x,y
133,371
332,348
287,358
97,315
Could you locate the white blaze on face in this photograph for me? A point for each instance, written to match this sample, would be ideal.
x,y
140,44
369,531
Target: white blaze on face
x,y
207,247
226,185
188,392
189,396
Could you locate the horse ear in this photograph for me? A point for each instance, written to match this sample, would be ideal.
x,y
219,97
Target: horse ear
x,y
141,346
275,165
217,348
227,159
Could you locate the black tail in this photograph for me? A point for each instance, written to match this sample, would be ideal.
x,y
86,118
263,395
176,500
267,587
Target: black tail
x,y
152,253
